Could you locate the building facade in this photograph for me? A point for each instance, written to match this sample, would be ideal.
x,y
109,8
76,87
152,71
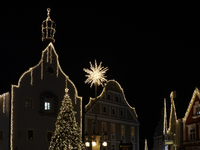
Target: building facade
x,y
191,123
36,99
110,113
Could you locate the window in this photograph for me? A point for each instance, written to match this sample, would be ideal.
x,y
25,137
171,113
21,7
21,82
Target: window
x,y
28,103
105,109
112,128
122,114
93,126
112,131
47,105
113,111
132,133
103,127
122,130
1,135
117,98
196,108
192,134
104,148
49,135
108,97
30,134
113,147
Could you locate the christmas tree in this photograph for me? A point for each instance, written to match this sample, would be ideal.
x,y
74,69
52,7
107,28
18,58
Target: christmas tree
x,y
67,133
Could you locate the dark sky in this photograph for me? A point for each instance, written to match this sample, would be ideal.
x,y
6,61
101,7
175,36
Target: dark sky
x,y
150,48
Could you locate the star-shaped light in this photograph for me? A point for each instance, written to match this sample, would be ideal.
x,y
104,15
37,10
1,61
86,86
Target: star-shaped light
x,y
96,74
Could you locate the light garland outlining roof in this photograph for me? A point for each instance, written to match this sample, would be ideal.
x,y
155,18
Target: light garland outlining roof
x,y
165,118
195,93
92,100
172,109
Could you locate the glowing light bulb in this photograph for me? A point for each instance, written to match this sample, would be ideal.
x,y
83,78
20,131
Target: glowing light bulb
x,y
104,143
94,143
87,144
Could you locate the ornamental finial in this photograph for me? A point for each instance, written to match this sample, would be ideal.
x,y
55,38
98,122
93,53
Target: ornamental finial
x,y
48,12
48,28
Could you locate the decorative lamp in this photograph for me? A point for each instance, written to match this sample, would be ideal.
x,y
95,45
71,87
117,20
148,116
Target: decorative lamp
x,y
104,143
48,28
104,139
87,144
94,143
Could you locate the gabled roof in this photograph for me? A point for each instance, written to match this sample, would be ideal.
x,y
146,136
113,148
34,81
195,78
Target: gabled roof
x,y
195,93
113,86
48,52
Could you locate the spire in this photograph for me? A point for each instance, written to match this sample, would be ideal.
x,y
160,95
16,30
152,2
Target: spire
x,y
145,147
48,28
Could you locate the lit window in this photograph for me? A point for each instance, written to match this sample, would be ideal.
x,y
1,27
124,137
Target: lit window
x,y
122,130
132,131
47,106
103,127
28,103
112,128
30,134
197,110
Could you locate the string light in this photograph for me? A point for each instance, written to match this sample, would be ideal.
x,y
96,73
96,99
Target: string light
x,y
172,109
196,93
87,106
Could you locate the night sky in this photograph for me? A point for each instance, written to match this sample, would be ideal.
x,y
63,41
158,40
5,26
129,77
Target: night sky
x,y
150,48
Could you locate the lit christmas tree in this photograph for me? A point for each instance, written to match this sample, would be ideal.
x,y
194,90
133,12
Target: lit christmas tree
x,y
67,133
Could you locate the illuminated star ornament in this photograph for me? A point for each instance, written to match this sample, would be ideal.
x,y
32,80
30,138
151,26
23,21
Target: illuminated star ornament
x,y
96,74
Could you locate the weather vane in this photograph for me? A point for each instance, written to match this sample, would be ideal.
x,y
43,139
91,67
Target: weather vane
x,y
96,75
